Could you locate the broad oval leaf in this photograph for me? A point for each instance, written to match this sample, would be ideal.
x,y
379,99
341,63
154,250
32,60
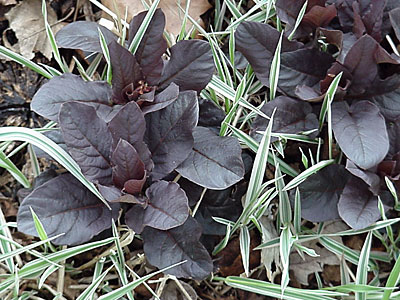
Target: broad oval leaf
x,y
303,67
169,133
88,140
163,248
360,131
385,94
191,66
152,46
64,205
210,115
129,124
357,206
126,165
367,176
66,88
215,162
362,61
320,193
257,42
110,193
291,116
167,208
83,35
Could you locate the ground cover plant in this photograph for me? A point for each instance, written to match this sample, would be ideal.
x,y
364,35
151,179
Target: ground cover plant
x,y
126,138
364,113
262,149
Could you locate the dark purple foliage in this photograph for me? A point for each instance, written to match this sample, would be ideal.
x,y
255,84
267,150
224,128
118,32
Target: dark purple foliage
x,y
64,205
205,161
164,248
362,143
125,138
357,206
83,35
320,193
366,109
80,127
291,116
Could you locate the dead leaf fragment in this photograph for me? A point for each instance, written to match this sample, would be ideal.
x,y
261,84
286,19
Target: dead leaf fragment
x,y
302,268
269,256
173,14
27,22
174,292
8,2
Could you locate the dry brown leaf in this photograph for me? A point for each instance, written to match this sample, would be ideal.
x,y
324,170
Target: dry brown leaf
x,y
302,268
27,22
173,292
8,2
173,13
269,256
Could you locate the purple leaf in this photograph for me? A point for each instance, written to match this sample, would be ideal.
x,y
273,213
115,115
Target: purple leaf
x,y
367,176
107,113
161,100
129,124
317,15
167,208
88,140
320,193
257,42
65,88
395,21
362,61
210,115
163,248
84,36
169,133
357,206
134,186
55,136
394,136
291,116
152,45
110,193
215,162
303,67
361,16
191,66
127,165
125,71
385,94
223,203
64,205
362,143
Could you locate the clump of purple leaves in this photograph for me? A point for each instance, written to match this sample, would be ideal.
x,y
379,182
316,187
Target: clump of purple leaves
x,y
131,139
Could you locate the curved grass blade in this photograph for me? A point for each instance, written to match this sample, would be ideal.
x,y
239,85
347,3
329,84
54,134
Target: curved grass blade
x,y
362,269
7,164
24,61
143,27
91,289
51,148
305,174
393,280
275,291
118,293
